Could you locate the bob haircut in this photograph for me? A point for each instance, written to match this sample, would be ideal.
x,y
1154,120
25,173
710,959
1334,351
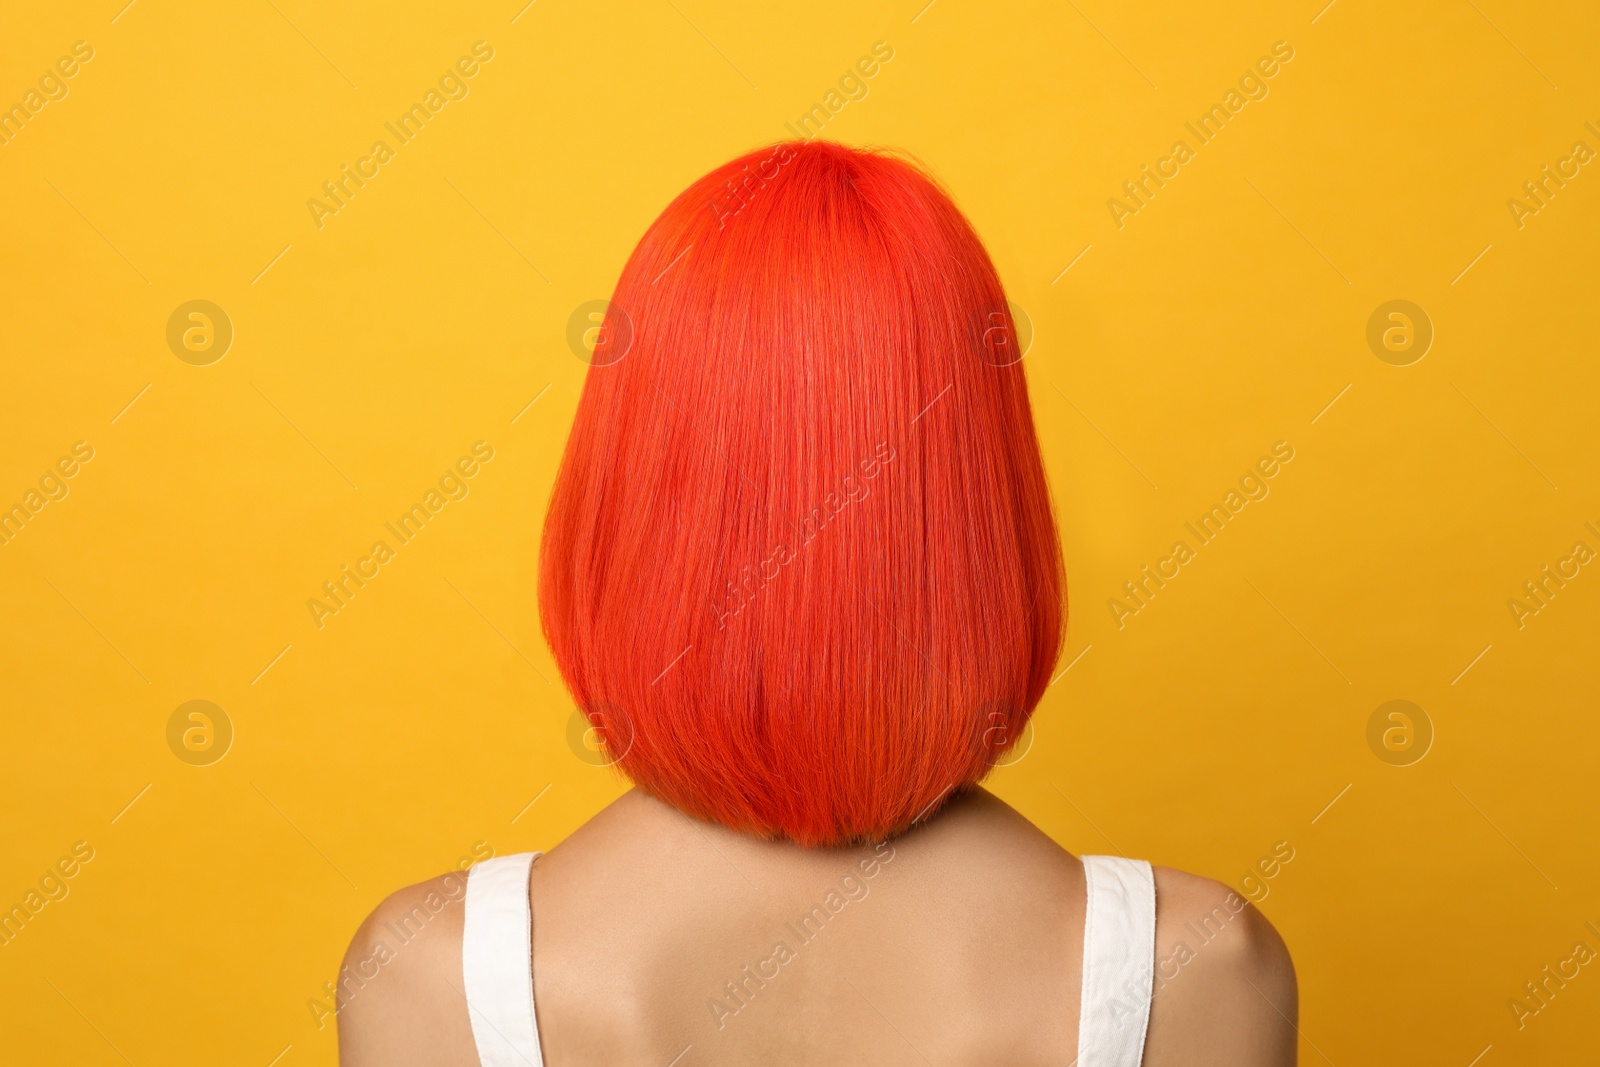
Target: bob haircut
x,y
800,568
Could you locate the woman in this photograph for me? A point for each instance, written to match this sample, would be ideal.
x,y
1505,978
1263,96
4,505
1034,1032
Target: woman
x,y
801,571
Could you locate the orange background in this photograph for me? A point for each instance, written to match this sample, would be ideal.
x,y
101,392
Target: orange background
x,y
1229,312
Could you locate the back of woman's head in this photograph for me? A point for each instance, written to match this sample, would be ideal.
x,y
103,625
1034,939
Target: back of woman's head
x,y
800,567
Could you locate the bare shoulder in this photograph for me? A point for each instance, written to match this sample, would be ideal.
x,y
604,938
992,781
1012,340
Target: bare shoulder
x,y
399,995
1224,982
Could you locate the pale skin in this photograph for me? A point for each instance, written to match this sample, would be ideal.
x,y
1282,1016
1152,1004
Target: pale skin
x,y
963,945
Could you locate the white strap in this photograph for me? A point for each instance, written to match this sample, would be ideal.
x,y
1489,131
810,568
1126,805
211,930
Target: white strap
x,y
1119,952
497,962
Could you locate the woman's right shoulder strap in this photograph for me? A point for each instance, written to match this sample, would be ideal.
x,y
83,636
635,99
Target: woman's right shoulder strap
x,y
497,962
1119,938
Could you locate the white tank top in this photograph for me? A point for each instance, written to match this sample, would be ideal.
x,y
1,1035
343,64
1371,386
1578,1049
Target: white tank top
x,y
1119,935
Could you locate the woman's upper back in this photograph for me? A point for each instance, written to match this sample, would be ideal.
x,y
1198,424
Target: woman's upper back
x,y
657,939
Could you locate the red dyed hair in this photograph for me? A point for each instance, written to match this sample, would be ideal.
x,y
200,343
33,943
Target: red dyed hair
x,y
800,566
